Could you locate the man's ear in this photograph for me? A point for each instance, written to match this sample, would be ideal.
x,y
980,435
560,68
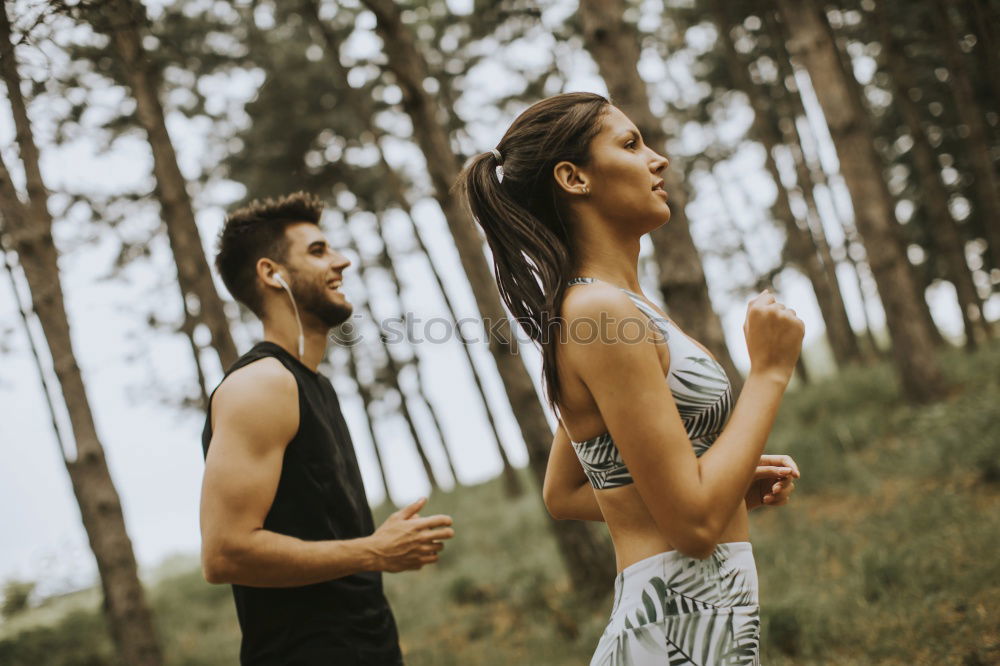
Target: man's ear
x,y
570,178
267,270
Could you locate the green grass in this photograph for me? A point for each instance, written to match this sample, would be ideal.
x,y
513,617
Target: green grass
x,y
888,553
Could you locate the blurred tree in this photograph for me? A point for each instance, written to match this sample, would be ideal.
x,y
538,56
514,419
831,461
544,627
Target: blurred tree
x,y
810,174
983,22
29,226
972,117
360,103
383,262
586,556
124,21
614,45
387,373
762,279
912,341
800,245
16,598
944,228
352,342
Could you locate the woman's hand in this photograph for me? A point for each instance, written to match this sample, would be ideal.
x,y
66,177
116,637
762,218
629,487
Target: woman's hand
x,y
774,337
773,482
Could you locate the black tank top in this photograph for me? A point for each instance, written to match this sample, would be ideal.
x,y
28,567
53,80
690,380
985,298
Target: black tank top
x,y
320,496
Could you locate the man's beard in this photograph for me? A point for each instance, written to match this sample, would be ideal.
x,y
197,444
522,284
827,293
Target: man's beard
x,y
315,299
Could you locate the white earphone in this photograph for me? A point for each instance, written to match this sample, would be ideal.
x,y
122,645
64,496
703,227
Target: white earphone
x,y
302,340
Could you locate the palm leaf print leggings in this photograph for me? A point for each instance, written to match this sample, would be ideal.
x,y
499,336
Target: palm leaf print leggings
x,y
678,610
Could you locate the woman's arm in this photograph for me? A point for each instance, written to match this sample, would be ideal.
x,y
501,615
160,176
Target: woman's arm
x,y
691,500
567,493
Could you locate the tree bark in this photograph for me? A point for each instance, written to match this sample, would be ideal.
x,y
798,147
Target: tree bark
x,y
369,402
614,45
977,144
24,311
838,94
30,230
389,374
811,176
384,261
944,227
761,280
123,21
800,248
588,558
362,106
983,23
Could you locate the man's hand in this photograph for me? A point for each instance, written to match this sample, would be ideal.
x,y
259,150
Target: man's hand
x,y
773,481
405,541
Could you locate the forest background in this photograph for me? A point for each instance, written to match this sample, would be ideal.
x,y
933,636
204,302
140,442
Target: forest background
x,y
843,154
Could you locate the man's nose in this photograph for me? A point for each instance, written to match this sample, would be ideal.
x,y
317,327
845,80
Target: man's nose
x,y
340,261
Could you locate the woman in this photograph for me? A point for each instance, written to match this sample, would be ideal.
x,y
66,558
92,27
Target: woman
x,y
649,440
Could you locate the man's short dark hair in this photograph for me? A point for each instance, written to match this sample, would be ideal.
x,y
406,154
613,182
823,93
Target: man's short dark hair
x,y
258,230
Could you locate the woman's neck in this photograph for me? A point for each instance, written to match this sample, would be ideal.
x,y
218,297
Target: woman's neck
x,y
609,259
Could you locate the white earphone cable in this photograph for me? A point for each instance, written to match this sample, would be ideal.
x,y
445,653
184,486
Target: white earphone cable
x,y
295,309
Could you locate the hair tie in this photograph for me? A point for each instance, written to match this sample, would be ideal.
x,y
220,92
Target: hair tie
x,y
496,154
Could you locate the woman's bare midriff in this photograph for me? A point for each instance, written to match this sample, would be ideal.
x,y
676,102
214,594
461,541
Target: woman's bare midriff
x,y
634,532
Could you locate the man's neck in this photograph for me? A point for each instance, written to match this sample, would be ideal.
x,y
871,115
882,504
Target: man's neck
x,y
286,336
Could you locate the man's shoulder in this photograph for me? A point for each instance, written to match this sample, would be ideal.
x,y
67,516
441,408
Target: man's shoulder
x,y
264,384
267,372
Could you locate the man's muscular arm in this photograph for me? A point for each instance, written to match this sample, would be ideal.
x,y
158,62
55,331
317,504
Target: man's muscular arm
x,y
255,413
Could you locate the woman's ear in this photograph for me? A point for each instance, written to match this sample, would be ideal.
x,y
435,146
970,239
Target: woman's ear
x,y
570,178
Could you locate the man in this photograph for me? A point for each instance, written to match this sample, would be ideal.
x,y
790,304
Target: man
x,y
284,517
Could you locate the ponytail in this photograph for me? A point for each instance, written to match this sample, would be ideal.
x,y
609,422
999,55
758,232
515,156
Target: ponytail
x,y
519,213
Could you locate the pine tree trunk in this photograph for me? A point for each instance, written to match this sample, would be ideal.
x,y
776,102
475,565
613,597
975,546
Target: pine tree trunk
x,y
615,48
944,228
392,375
588,558
370,405
920,279
30,230
385,262
124,21
800,248
809,178
838,94
977,144
24,311
187,328
364,108
984,23
389,374
511,480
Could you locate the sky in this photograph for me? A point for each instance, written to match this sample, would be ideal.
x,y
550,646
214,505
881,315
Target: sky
x,y
135,374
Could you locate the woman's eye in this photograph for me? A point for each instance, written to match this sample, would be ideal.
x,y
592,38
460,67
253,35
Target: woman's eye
x,y
630,145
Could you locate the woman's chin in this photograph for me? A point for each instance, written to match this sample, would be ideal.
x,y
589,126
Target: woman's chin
x,y
661,220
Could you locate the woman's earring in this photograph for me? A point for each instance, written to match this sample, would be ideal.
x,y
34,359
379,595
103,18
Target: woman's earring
x,y
586,189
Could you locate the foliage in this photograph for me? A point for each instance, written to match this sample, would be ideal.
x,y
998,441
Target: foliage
x,y
16,597
885,555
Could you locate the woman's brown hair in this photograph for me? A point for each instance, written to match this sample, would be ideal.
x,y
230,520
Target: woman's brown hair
x,y
520,212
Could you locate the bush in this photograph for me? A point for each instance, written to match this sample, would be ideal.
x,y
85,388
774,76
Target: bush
x,y
16,598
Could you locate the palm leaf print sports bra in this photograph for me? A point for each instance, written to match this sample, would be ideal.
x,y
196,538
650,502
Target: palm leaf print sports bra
x,y
700,388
